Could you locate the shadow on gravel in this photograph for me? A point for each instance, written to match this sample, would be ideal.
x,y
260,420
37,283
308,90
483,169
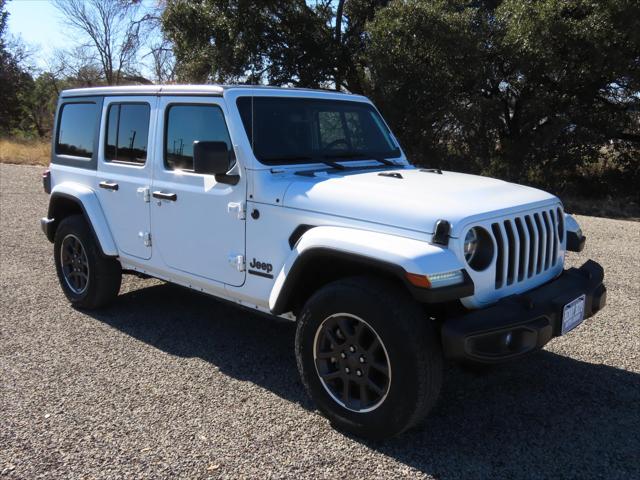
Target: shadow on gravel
x,y
545,416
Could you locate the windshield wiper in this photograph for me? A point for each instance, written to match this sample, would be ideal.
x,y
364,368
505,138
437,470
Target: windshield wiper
x,y
301,158
364,156
335,165
284,158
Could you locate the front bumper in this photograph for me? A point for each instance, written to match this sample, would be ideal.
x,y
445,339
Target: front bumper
x,y
520,324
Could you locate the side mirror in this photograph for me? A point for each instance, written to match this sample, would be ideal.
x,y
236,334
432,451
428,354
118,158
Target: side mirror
x,y
212,158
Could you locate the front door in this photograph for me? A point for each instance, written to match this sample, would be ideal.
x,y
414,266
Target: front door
x,y
198,227
124,171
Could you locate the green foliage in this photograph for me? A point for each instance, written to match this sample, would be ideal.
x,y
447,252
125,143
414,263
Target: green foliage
x,y
531,91
14,81
222,41
528,91
544,92
293,42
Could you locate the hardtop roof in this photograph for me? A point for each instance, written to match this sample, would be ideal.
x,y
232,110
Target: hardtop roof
x,y
213,90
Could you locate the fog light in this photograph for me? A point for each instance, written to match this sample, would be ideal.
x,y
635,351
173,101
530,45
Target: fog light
x,y
507,339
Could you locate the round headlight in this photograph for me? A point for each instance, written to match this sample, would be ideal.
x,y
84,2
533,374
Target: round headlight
x,y
470,244
478,248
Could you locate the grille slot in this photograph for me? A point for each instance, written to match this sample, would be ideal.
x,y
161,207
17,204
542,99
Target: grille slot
x,y
527,245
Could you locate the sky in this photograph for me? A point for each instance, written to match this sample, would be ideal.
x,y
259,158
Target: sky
x,y
41,27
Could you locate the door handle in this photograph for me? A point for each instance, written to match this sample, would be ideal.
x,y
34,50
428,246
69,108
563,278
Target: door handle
x,y
108,185
165,196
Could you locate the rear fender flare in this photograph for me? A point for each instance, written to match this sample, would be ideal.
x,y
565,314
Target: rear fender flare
x,y
89,203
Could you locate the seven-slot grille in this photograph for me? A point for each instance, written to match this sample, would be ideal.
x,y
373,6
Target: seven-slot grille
x,y
527,245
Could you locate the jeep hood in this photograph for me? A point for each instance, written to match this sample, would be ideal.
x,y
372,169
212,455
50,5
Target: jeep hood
x,y
414,200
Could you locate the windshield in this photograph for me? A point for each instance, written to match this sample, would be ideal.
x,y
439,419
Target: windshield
x,y
284,130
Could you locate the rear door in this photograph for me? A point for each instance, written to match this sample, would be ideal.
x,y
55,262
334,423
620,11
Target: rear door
x,y
198,223
124,171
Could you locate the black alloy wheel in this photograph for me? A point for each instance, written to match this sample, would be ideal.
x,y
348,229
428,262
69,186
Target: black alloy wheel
x,y
352,362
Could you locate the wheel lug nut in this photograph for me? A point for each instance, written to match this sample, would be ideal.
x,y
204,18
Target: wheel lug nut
x,y
343,355
352,349
362,360
359,372
347,370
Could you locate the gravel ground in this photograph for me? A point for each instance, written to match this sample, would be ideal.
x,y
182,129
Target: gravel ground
x,y
169,383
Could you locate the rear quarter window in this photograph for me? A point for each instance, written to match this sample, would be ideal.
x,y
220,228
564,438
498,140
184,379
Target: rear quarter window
x,y
76,129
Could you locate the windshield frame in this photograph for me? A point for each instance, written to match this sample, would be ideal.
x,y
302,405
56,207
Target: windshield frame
x,y
321,158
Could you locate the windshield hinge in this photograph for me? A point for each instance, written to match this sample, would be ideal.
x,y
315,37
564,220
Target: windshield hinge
x,y
238,208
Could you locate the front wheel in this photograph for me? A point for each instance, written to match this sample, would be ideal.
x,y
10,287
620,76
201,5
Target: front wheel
x,y
88,278
368,356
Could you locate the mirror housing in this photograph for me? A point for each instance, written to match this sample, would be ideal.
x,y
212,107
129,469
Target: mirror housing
x,y
214,158
211,158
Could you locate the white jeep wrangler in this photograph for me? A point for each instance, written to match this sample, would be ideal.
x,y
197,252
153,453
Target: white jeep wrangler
x,y
301,204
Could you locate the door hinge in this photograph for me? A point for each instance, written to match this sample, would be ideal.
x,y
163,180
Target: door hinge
x,y
146,194
237,261
238,208
146,238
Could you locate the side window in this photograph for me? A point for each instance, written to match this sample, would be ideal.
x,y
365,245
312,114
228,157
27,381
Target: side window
x,y
76,128
187,123
127,132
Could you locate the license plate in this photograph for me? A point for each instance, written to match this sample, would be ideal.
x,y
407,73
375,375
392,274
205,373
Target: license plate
x,y
573,314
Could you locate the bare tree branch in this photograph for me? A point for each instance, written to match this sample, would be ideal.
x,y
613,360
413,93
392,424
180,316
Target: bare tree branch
x,y
112,30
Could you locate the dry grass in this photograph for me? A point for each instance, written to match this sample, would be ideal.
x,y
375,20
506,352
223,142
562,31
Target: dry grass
x,y
25,152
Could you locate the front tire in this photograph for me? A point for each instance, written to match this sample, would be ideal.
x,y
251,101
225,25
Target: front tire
x,y
89,279
368,356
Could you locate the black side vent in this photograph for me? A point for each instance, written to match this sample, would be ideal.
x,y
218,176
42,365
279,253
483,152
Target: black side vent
x,y
431,170
390,174
297,234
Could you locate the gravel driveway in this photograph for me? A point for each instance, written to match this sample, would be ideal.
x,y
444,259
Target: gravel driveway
x,y
171,384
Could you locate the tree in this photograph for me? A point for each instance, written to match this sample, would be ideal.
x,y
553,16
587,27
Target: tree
x,y
163,62
14,80
112,30
527,91
41,103
281,42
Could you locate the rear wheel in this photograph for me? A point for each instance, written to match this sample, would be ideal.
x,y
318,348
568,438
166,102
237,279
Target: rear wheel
x,y
368,356
88,278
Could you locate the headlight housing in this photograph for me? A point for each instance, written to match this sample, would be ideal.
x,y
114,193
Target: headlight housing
x,y
478,248
470,244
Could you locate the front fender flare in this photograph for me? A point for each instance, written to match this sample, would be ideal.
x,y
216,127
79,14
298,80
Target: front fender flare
x,y
90,205
394,254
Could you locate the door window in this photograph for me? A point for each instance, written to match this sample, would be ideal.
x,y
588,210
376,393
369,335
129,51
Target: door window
x,y
186,124
127,132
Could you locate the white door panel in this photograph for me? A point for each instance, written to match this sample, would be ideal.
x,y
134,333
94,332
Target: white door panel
x,y
193,229
121,185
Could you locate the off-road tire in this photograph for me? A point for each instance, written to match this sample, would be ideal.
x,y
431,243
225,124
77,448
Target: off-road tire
x,y
104,273
412,347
